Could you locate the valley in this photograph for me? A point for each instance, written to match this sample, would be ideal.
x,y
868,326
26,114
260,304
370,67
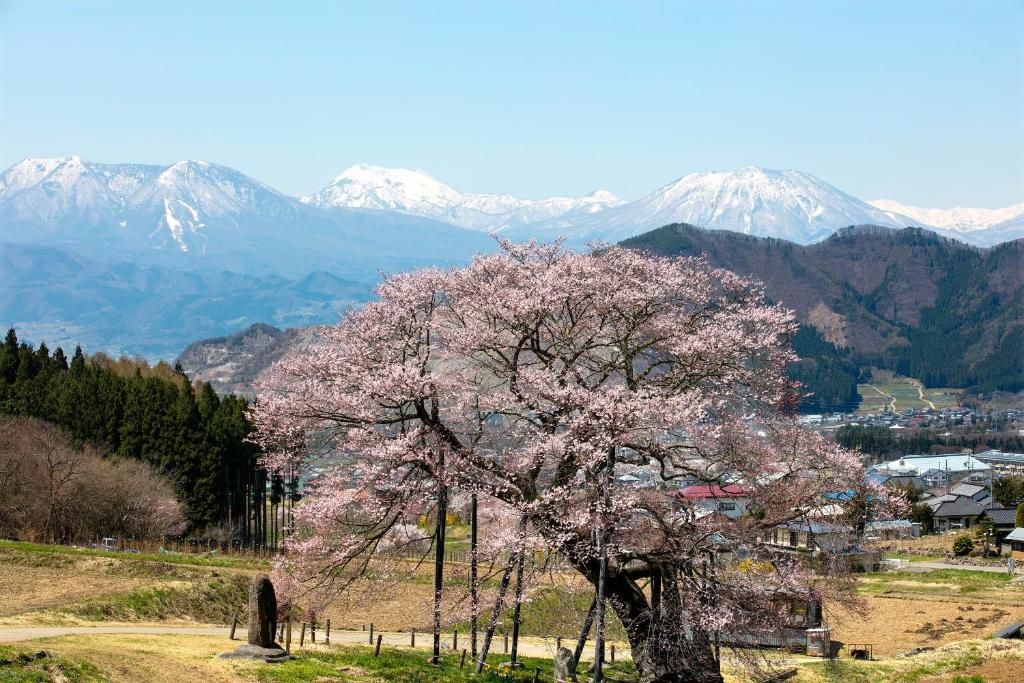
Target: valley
x,y
899,394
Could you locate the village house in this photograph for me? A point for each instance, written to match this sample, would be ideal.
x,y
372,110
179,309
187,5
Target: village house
x,y
1015,540
976,492
809,535
729,500
1004,521
954,512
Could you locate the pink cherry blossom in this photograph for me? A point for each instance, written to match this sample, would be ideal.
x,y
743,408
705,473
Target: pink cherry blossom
x,y
514,378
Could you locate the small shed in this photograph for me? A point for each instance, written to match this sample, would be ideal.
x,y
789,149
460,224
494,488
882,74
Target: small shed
x,y
1016,540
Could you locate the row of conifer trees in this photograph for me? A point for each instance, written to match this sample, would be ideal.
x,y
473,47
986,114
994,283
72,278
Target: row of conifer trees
x,y
131,409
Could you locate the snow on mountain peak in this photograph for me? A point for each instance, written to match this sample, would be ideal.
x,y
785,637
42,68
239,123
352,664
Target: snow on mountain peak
x,y
366,186
759,201
180,205
959,219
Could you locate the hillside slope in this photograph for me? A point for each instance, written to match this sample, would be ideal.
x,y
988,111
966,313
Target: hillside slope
x,y
923,305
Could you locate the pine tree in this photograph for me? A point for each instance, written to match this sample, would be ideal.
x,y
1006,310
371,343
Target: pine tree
x,y
78,362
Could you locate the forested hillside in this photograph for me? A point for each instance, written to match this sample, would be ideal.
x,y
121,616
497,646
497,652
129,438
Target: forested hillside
x,y
152,414
906,300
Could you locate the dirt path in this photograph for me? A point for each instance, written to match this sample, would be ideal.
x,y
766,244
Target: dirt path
x,y
920,394
10,634
529,647
892,399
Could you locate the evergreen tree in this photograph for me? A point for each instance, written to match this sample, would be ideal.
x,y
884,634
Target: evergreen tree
x,y
78,362
149,414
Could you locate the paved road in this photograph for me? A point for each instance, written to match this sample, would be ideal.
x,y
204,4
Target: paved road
x,y
528,647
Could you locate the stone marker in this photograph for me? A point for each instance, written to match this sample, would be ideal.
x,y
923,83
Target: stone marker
x,y
565,665
262,625
262,612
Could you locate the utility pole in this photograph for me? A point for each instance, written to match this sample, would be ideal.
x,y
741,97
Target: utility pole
x,y
602,544
474,597
442,514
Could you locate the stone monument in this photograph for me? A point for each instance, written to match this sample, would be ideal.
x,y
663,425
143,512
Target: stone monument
x,y
262,624
565,665
262,612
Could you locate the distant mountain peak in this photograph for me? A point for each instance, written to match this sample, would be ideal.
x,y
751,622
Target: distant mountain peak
x,y
367,186
958,219
786,204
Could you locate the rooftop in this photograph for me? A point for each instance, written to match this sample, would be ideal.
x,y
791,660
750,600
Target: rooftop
x,y
1016,535
714,491
960,507
960,462
1002,516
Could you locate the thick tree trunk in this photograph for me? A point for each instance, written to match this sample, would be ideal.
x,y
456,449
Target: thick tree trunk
x,y
666,647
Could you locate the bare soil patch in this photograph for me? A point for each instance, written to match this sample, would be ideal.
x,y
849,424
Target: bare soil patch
x,y
897,624
28,589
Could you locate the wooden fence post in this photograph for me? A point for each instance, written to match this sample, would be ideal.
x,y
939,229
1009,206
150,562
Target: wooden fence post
x,y
412,639
455,640
613,653
558,643
462,662
327,636
302,637
288,634
234,623
506,643
376,652
371,633
312,630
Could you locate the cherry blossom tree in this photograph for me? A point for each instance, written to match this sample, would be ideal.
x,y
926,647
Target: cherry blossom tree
x,y
535,377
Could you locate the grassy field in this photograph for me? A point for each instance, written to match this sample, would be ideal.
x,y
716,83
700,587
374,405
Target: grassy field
x,y
168,659
897,394
59,585
948,609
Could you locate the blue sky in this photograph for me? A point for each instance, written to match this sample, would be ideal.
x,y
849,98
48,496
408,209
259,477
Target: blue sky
x,y
922,102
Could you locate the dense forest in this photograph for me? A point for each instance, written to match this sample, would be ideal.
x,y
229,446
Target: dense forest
x,y
827,374
155,415
884,443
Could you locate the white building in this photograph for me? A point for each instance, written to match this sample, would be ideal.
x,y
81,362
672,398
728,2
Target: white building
x,y
1003,464
941,470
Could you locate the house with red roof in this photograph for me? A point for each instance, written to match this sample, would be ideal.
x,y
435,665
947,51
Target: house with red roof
x,y
730,500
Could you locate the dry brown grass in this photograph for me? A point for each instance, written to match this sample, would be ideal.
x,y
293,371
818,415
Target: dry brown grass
x,y
994,671
895,624
30,589
155,659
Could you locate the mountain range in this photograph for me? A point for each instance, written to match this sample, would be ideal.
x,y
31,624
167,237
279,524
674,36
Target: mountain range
x,y
143,259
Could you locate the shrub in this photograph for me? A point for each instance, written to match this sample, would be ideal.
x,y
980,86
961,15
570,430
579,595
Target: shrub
x,y
962,545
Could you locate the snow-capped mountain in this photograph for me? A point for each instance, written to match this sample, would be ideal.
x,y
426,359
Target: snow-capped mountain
x,y
366,186
47,200
67,194
786,204
981,226
200,214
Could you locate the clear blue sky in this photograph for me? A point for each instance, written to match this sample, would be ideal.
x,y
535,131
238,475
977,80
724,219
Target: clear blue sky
x,y
917,101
